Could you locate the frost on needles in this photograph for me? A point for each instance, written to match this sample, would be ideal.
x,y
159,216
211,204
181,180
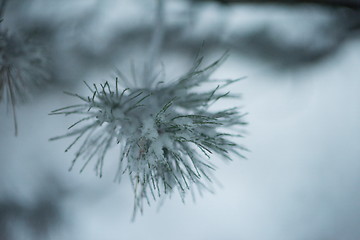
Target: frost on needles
x,y
166,133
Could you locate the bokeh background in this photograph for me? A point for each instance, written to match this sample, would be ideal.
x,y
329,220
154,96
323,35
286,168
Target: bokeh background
x,y
302,92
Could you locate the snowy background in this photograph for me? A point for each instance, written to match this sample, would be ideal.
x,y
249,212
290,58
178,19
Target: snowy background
x,y
302,177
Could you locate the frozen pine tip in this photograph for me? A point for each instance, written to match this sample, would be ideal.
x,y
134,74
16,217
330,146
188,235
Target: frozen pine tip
x,y
167,134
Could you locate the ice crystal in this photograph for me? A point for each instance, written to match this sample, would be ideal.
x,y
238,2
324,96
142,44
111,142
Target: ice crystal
x,y
22,69
166,133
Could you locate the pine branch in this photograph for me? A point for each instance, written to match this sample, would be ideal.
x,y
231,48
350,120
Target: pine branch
x,y
167,134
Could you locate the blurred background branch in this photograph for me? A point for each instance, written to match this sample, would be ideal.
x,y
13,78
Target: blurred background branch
x,y
353,4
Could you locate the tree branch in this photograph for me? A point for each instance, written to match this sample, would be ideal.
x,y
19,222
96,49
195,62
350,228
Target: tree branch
x,y
353,4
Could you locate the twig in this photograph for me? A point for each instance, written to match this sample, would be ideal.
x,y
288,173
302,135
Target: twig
x,y
155,44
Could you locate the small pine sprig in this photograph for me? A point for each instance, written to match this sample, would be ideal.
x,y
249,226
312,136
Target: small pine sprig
x,y
166,134
22,70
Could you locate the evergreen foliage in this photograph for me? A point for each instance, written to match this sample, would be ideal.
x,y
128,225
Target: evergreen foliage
x,y
22,69
166,133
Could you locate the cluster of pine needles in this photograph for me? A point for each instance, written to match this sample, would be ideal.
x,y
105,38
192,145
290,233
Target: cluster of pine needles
x,y
22,69
166,134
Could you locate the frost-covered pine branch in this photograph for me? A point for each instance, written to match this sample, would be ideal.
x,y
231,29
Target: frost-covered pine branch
x,y
167,133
